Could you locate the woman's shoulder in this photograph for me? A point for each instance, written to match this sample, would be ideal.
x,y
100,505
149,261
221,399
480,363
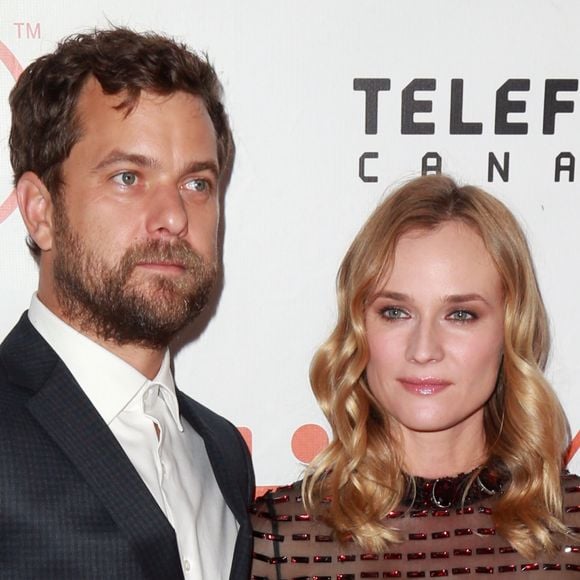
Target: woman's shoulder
x,y
288,540
571,495
570,483
279,520
281,508
291,490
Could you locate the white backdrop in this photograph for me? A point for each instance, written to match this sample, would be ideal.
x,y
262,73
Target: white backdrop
x,y
297,198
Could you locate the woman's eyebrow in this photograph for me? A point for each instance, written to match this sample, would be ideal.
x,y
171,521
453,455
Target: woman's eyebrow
x,y
471,297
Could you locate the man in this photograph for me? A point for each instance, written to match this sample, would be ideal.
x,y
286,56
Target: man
x,y
119,146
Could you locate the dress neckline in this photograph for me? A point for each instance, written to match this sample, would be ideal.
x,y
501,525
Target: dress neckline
x,y
456,491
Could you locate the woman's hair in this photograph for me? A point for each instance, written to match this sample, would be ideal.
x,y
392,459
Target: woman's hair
x,y
526,431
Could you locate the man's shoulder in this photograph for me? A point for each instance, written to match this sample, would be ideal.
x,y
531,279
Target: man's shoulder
x,y
23,341
22,325
25,357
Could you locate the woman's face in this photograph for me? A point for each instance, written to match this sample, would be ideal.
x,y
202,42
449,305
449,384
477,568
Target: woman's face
x,y
435,331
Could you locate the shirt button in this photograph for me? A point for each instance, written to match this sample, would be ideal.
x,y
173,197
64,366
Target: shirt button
x,y
186,565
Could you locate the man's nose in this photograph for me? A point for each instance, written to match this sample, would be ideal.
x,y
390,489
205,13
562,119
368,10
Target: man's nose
x,y
167,215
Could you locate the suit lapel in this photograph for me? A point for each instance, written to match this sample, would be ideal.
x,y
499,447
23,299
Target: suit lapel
x,y
222,469
230,472
69,418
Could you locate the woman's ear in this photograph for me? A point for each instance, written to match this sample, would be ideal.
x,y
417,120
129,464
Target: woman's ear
x,y
35,204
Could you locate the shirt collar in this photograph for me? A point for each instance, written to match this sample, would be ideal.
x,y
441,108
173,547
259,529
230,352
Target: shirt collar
x,y
108,381
164,379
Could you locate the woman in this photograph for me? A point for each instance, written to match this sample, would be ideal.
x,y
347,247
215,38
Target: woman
x,y
446,457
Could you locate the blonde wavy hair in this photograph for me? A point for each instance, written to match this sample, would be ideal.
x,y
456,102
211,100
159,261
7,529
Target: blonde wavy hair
x,y
362,469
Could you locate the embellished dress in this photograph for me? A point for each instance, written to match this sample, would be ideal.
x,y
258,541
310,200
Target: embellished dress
x,y
447,532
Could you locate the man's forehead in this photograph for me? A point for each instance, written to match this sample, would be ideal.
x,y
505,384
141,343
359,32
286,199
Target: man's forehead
x,y
93,90
92,95
109,129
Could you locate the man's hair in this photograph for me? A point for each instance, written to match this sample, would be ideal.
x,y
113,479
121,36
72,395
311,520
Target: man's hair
x,y
45,126
525,427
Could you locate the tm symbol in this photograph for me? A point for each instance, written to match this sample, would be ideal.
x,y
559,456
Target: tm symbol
x,y
27,30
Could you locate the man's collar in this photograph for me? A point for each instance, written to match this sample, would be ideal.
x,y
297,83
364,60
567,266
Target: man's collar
x,y
164,378
107,380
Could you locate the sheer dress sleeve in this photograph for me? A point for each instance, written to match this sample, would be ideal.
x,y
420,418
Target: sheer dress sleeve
x,y
439,543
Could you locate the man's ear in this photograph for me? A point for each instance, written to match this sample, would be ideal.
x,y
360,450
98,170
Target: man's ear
x,y
35,204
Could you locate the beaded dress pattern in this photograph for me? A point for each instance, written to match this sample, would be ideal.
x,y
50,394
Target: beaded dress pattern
x,y
440,540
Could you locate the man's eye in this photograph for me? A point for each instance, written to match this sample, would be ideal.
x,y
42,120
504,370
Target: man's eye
x,y
125,178
197,185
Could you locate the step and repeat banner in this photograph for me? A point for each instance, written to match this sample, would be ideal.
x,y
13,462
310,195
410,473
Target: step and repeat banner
x,y
331,103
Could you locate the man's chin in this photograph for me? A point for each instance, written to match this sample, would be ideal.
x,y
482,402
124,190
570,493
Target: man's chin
x,y
153,285
149,318
153,330
158,313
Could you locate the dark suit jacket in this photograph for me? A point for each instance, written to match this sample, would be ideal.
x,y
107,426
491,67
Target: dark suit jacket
x,y
72,507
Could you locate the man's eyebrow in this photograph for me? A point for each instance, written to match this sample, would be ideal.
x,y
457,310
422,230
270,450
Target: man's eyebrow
x,y
196,166
120,156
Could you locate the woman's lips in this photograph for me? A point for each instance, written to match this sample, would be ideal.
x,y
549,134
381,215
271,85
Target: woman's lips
x,y
424,385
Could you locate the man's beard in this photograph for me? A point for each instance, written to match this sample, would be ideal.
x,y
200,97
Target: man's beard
x,y
104,301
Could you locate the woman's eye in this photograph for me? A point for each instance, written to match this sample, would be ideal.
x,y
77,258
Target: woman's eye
x,y
125,178
462,315
394,313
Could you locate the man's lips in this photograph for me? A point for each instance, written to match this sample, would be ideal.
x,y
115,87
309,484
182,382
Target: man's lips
x,y
163,267
424,385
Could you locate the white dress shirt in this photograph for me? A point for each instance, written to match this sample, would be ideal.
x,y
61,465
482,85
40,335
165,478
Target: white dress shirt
x,y
165,450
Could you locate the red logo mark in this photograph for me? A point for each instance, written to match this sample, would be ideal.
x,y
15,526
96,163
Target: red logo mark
x,y
14,68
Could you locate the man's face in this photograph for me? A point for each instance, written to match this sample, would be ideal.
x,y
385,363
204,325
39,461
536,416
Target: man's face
x,y
135,230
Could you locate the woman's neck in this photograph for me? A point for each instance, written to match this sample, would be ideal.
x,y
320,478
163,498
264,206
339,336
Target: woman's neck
x,y
444,453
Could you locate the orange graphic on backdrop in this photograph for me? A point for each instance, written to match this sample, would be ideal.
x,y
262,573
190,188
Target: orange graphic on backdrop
x,y
14,68
308,441
247,435
573,449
